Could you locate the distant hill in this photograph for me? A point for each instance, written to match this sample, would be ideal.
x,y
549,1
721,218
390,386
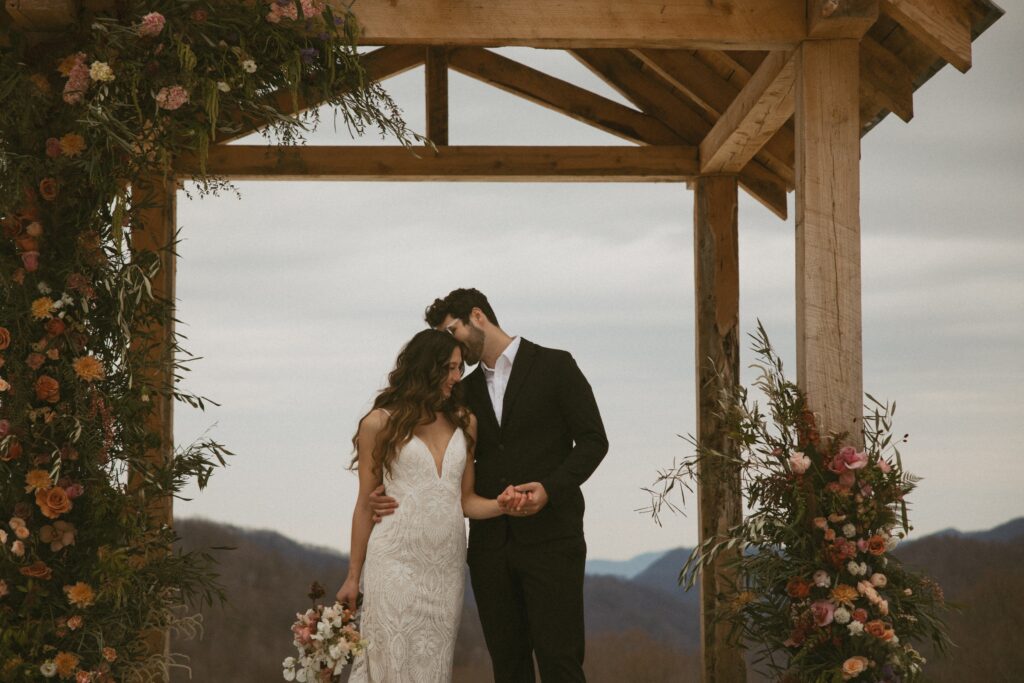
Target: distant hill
x,y
640,629
625,569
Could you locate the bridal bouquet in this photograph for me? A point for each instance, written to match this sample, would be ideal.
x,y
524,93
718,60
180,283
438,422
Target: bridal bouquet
x,y
326,639
820,594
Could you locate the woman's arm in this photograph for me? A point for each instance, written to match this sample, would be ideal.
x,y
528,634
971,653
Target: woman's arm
x,y
474,506
362,515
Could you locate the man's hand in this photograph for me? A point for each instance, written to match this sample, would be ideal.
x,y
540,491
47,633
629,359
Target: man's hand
x,y
381,504
533,501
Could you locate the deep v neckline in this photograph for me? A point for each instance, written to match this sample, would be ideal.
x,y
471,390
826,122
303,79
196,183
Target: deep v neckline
x,y
444,455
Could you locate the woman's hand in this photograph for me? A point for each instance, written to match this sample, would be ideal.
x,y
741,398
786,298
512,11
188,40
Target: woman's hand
x,y
348,594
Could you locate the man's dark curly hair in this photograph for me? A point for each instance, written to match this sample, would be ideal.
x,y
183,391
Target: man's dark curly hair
x,y
459,304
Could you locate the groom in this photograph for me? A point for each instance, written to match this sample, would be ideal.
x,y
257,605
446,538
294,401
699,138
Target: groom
x,y
539,429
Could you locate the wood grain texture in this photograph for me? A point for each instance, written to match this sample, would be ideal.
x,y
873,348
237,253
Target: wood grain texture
x,y
840,18
758,24
436,91
942,25
511,163
717,290
828,280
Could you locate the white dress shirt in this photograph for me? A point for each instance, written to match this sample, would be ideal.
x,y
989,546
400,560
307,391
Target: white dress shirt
x,y
497,377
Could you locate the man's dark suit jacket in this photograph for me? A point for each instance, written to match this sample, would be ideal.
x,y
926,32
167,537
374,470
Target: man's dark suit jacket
x,y
551,432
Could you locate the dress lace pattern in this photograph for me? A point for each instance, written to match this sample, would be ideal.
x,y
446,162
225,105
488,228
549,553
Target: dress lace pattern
x,y
414,574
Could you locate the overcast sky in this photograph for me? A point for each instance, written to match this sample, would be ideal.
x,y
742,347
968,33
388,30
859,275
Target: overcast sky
x,y
299,296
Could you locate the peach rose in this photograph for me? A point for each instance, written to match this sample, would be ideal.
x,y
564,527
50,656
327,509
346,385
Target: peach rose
x,y
876,628
35,360
854,666
37,570
80,594
53,502
48,389
109,654
75,622
5,338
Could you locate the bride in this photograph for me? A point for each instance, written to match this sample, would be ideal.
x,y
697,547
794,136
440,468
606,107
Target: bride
x,y
417,440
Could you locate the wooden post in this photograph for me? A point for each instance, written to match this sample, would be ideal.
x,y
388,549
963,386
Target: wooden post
x,y
155,234
828,306
436,74
716,275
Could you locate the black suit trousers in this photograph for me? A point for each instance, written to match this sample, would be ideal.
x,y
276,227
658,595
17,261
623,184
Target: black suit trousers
x,y
530,599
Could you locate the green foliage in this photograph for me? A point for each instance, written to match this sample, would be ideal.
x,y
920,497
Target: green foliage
x,y
90,126
819,594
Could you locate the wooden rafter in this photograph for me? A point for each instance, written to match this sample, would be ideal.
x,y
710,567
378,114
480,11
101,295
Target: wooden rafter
x,y
561,96
942,25
41,15
703,84
356,162
885,82
757,24
436,89
758,113
380,64
846,19
629,76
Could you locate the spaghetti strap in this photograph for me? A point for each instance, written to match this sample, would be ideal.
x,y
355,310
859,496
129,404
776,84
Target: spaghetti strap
x,y
386,412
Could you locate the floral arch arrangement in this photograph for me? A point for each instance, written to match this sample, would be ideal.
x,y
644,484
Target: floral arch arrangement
x,y
90,125
820,597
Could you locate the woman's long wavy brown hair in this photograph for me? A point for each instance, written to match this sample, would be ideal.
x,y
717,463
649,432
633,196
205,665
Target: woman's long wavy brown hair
x,y
413,396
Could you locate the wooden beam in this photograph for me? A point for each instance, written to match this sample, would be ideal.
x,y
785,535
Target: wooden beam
x,y
41,15
754,117
944,26
436,87
357,162
719,496
561,96
885,81
840,18
757,24
828,296
380,64
652,94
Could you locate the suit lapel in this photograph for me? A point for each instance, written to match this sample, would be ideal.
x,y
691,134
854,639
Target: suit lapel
x,y
479,398
520,369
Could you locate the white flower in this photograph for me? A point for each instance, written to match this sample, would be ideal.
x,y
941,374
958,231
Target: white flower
x,y
907,591
821,579
48,669
841,615
878,580
895,640
289,674
849,530
223,86
101,71
249,66
891,543
855,628
853,567
43,288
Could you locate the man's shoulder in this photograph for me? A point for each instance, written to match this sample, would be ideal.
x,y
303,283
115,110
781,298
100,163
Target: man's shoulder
x,y
544,352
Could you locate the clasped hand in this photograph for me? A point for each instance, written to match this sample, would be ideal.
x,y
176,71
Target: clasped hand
x,y
516,501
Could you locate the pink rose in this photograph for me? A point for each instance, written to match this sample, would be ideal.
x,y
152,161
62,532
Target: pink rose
x,y
799,463
172,97
862,545
74,490
152,24
823,611
853,459
30,259
311,8
884,466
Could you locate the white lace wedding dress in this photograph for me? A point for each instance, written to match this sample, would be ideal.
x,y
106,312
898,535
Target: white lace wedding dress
x,y
414,574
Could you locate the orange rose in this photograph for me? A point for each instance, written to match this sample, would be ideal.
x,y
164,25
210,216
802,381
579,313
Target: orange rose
x,y
53,502
875,627
80,594
35,360
49,189
854,666
37,570
66,664
876,545
109,654
55,326
5,338
47,389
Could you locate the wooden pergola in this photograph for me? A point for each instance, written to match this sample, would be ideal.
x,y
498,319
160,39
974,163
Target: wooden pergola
x,y
769,95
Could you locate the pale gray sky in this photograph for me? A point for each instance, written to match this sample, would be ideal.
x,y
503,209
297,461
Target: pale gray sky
x,y
299,296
